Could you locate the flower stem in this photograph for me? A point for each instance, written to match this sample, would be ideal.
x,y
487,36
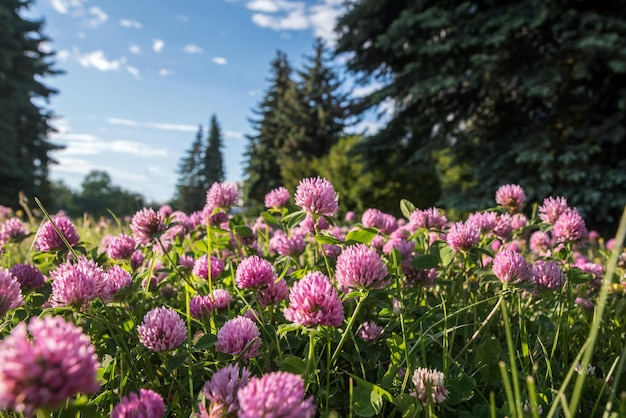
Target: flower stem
x,y
344,337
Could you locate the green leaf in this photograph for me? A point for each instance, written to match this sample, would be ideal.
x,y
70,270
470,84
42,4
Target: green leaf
x,y
242,231
407,208
426,261
327,239
293,364
447,255
293,218
269,218
368,397
285,328
175,362
206,341
362,236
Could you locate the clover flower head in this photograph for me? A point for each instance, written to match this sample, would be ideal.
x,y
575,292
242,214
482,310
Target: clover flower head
x,y
148,404
236,334
120,247
200,307
511,196
49,240
201,267
162,329
221,392
431,218
359,266
14,228
277,198
570,226
254,272
43,363
428,380
510,267
221,298
28,275
548,275
552,208
146,225
317,196
76,283
314,301
117,278
275,395
221,195
462,236
370,331
273,294
10,292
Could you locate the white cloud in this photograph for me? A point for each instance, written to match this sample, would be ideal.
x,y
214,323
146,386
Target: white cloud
x,y
153,125
128,23
164,72
233,134
62,55
157,45
65,6
193,49
98,17
295,15
133,71
220,60
134,49
97,60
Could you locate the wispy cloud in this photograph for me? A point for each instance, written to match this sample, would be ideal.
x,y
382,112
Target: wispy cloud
x,y
157,45
220,60
233,134
97,60
98,17
134,49
182,18
163,72
295,15
65,6
153,125
134,71
128,23
193,49
62,55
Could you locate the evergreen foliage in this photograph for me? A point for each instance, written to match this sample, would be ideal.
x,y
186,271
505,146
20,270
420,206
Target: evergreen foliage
x,y
24,121
263,154
530,92
213,159
191,187
316,108
99,195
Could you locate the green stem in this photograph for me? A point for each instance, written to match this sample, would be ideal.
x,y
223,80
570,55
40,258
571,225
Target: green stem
x,y
311,359
344,337
597,319
511,350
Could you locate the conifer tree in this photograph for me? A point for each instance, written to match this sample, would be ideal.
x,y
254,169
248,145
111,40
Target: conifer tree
x,y
529,92
24,122
213,159
263,154
191,187
316,109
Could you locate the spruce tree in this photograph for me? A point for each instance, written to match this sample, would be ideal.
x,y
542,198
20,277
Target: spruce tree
x,y
191,187
24,122
316,108
213,159
263,154
530,92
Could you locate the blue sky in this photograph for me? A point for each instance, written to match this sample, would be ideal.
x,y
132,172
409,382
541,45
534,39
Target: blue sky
x,y
141,75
